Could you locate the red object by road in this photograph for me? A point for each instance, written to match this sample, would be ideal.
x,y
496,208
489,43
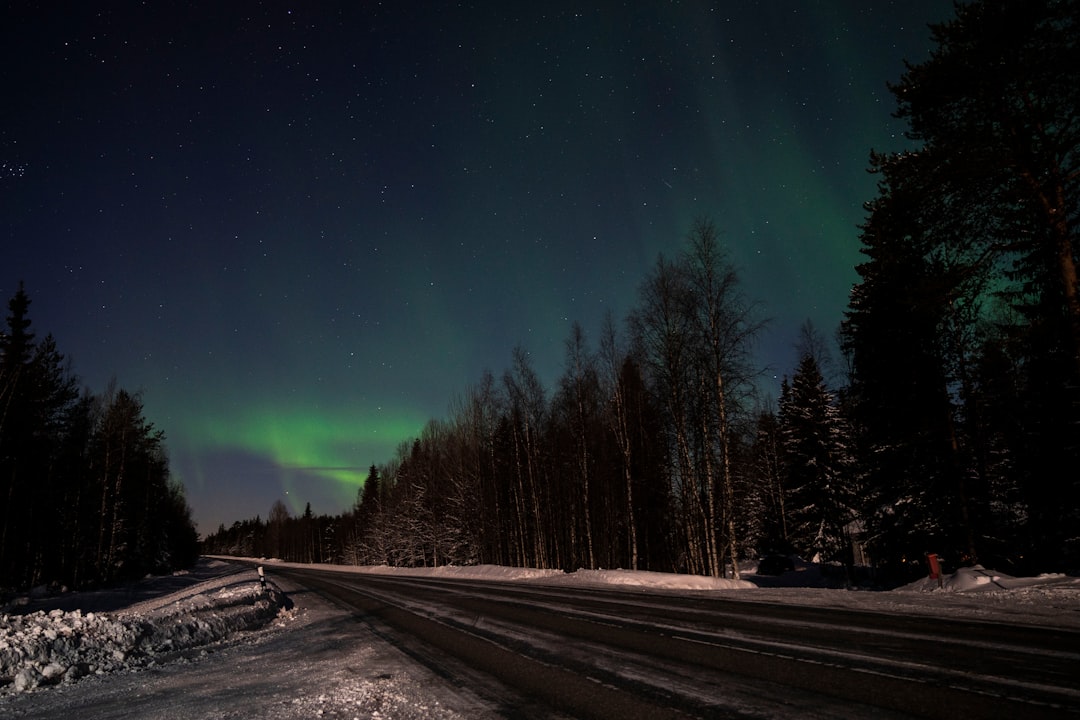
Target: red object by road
x,y
935,567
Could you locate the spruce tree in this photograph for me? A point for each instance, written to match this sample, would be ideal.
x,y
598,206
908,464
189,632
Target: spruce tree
x,y
818,467
981,213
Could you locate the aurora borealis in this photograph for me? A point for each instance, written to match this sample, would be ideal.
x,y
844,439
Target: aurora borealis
x,y
300,230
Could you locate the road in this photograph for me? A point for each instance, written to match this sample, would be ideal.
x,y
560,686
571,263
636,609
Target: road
x,y
540,651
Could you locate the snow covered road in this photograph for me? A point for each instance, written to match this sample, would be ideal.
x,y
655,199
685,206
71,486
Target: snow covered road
x,y
605,653
512,642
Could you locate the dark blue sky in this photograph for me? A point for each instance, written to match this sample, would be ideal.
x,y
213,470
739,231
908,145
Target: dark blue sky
x,y
300,230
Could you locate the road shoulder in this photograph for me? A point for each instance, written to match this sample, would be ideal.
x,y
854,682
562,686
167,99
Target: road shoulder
x,y
314,660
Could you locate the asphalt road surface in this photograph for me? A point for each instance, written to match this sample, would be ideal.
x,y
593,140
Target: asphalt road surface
x,y
539,651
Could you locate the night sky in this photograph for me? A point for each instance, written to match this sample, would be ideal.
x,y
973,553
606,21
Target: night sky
x,y
301,231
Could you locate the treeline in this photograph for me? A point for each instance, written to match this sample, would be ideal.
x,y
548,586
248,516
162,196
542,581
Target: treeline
x,y
85,492
306,538
651,453
953,427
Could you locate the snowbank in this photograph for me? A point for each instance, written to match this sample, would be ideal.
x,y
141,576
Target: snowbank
x,y
56,646
631,578
805,576
654,580
979,579
472,572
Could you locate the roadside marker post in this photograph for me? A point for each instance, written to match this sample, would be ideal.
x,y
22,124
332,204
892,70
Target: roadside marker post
x,y
935,567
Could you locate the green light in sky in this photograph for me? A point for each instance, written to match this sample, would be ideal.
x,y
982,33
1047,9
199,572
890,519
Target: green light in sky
x,y
331,444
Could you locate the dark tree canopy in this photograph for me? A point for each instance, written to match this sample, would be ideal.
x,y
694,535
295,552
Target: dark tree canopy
x,y
85,492
968,302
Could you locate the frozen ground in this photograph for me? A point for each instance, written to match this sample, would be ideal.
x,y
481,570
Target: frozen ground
x,y
220,647
214,643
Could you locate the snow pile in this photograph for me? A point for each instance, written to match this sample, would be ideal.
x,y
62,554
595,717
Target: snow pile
x,y
47,648
979,579
471,572
389,695
655,580
500,573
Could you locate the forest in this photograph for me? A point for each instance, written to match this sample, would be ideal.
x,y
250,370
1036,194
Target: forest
x,y
85,493
943,416
952,425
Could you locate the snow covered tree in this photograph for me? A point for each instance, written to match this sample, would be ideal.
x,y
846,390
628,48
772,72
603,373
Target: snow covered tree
x,y
528,416
478,420
611,361
724,328
818,467
766,502
662,329
694,329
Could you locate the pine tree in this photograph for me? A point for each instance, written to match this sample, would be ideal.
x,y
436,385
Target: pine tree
x,y
900,396
85,493
818,467
982,212
998,108
37,392
16,431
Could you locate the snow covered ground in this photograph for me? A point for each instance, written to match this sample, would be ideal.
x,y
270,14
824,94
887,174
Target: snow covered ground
x,y
974,593
48,647
215,643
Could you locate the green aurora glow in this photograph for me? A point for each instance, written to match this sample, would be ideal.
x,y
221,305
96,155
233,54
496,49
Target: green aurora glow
x,y
302,233
324,454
